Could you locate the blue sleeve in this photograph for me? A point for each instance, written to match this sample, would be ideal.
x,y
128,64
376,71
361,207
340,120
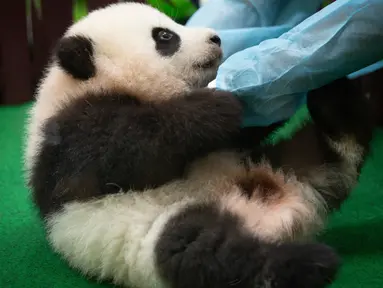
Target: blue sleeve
x,y
273,77
243,24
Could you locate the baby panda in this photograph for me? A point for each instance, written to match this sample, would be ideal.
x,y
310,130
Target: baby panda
x,y
139,176
138,70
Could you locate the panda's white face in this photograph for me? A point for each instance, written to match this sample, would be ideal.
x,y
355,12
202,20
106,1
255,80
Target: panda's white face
x,y
135,46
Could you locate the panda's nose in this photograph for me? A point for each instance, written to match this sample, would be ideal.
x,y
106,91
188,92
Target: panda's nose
x,y
216,40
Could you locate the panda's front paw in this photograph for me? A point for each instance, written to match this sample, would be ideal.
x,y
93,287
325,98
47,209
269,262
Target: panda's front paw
x,y
220,109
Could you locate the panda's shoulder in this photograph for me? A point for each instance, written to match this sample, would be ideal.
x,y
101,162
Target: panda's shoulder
x,y
97,102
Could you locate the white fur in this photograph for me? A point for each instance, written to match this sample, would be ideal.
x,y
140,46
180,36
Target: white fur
x,y
114,237
126,61
296,216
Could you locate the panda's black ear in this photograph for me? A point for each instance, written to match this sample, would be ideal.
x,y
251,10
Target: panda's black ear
x,y
75,55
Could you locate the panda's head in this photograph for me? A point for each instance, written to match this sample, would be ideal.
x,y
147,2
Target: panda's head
x,y
134,48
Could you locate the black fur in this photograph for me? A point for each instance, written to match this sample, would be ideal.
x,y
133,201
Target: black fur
x,y
371,86
337,109
203,247
166,46
253,136
75,55
100,143
299,266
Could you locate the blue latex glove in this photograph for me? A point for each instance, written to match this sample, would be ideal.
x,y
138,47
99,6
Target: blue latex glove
x,y
272,78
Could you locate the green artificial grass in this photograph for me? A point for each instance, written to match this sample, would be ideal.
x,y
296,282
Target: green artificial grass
x,y
26,260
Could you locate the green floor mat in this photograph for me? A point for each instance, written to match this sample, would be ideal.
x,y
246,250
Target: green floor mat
x,y
26,260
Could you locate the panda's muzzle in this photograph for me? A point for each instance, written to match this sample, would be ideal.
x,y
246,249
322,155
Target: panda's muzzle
x,y
210,62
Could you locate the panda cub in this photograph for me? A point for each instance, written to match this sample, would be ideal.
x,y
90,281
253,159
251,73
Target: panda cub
x,y
140,180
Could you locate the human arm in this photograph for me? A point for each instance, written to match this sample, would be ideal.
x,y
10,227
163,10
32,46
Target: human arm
x,y
243,24
273,77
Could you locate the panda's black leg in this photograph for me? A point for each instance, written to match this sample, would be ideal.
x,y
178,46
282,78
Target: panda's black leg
x,y
340,110
205,247
371,86
328,152
253,136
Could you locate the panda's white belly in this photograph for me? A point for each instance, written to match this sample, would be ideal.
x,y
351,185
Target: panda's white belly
x,y
115,236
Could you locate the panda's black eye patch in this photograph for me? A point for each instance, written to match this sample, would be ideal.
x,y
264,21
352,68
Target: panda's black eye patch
x,y
167,41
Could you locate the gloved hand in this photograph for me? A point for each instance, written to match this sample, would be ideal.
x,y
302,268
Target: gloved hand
x,y
270,69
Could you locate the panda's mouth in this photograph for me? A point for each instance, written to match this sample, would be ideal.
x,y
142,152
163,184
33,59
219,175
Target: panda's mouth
x,y
210,63
207,64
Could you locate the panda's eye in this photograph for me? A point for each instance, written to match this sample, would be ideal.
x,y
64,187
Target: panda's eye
x,y
167,41
165,35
